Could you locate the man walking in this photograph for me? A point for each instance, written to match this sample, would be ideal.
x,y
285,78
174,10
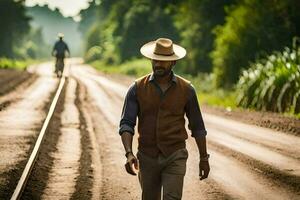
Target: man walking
x,y
59,51
160,100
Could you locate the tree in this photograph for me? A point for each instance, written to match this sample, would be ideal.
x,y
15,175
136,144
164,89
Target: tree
x,y
127,25
88,17
13,24
195,20
144,21
252,28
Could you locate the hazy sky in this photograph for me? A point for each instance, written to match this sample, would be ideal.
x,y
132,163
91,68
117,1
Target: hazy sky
x,y
67,7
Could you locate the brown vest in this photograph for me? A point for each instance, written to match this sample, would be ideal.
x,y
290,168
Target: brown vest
x,y
161,123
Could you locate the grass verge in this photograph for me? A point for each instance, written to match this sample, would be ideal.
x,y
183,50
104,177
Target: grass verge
x,y
6,63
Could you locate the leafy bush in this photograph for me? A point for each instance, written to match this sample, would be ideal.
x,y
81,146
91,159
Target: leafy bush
x,y
94,53
253,29
208,94
272,84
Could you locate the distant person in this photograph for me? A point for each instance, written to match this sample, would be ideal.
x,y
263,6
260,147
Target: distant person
x,y
59,51
160,101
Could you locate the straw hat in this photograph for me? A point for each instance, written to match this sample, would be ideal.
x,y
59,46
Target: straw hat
x,y
163,49
60,35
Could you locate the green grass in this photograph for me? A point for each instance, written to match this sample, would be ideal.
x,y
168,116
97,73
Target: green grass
x,y
6,63
218,98
209,95
134,68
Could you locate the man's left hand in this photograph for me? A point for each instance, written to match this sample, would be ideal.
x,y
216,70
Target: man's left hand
x,y
203,169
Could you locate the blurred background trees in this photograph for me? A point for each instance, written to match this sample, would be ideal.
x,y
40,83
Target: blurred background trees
x,y
252,30
124,26
30,32
195,21
14,25
223,38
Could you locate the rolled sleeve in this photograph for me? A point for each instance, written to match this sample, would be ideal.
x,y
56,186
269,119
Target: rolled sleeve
x,y
129,111
193,113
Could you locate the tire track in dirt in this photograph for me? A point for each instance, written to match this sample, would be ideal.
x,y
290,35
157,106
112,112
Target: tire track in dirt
x,y
64,165
13,94
10,79
65,169
279,161
290,184
40,173
276,141
94,170
19,125
116,184
238,179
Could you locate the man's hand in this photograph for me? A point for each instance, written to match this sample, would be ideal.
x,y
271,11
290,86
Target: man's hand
x,y
203,169
131,160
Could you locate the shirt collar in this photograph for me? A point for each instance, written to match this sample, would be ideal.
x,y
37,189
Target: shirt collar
x,y
174,78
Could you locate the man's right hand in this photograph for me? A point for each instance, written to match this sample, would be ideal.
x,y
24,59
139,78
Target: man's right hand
x,y
131,160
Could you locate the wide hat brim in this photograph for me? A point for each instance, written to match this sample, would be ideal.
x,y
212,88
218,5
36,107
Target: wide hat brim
x,y
60,35
147,50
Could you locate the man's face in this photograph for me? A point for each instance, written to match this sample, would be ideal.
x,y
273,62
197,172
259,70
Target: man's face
x,y
162,68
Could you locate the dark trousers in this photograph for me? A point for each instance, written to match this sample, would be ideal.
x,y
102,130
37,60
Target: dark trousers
x,y
59,65
162,173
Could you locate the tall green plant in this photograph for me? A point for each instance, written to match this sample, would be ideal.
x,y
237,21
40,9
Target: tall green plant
x,y
272,84
252,28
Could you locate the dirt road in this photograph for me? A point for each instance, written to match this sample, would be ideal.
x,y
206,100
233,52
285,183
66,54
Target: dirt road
x,y
83,157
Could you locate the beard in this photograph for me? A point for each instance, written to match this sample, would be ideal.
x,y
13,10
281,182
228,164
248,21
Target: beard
x,y
161,72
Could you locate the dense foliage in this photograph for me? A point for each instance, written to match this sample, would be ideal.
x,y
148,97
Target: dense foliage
x,y
195,21
221,36
123,26
252,28
13,25
273,84
6,63
19,40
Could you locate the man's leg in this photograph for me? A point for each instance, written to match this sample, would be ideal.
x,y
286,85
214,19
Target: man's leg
x,y
56,65
149,177
62,63
173,175
60,66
